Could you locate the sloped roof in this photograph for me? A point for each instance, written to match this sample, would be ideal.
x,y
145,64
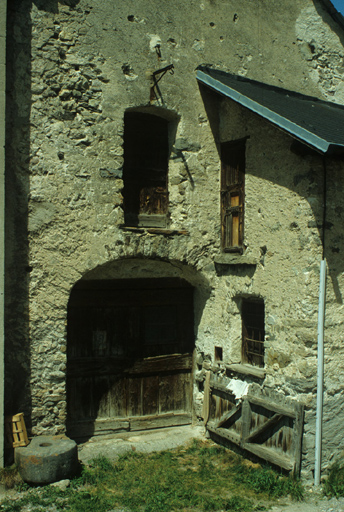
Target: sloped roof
x,y
317,123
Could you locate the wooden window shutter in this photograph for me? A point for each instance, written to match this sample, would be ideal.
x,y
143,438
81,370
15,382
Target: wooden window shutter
x,y
232,195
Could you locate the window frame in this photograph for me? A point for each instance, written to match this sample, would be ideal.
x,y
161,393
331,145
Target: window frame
x,y
232,195
253,331
145,172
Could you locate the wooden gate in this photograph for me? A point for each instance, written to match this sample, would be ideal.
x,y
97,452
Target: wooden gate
x,y
129,363
271,431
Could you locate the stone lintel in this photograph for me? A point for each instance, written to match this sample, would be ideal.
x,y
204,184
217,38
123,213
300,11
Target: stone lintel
x,y
155,231
235,259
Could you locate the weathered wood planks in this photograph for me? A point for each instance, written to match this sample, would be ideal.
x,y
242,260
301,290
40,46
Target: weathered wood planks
x,y
271,431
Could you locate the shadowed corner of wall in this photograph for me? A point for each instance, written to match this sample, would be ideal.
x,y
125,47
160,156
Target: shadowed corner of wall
x,y
337,291
18,102
335,268
53,5
211,101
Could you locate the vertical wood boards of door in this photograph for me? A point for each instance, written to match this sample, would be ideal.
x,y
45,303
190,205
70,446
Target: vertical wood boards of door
x,y
150,395
118,396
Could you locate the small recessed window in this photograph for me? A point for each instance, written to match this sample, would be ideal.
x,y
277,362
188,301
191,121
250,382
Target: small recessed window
x,y
218,354
253,332
146,152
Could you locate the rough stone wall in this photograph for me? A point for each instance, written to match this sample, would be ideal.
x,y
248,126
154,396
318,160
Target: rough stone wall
x,y
321,45
75,67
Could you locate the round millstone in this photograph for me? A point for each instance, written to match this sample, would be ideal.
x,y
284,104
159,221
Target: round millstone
x,y
47,459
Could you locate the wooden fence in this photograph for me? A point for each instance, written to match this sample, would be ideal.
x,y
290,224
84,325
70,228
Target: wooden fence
x,y
270,431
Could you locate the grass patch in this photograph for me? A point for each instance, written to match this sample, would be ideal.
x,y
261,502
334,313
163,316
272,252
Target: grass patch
x,y
266,480
203,477
334,485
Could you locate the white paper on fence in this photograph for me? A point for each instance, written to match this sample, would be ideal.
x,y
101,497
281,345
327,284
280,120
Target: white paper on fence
x,y
239,388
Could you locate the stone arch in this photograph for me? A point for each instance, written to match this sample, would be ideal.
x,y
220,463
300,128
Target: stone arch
x,y
131,334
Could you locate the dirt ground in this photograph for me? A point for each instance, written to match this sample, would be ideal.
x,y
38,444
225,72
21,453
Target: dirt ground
x,y
314,502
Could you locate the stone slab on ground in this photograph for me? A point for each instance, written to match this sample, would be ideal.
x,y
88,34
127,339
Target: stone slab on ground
x,y
145,441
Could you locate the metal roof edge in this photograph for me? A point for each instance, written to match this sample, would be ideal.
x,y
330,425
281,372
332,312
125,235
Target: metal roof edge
x,y
292,128
335,149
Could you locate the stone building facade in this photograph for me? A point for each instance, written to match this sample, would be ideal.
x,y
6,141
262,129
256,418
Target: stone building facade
x,y
81,75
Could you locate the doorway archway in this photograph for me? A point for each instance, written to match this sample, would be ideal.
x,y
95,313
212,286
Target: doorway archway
x,y
129,355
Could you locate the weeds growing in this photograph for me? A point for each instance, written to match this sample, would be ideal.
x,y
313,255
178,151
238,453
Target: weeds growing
x,y
265,480
201,478
334,484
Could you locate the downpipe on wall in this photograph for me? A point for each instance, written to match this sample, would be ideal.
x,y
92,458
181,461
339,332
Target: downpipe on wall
x,y
320,377
321,329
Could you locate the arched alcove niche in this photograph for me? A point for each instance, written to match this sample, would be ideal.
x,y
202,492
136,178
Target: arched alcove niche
x,y
149,136
131,334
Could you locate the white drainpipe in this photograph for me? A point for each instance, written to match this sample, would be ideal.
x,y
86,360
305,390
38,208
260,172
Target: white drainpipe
x,y
320,380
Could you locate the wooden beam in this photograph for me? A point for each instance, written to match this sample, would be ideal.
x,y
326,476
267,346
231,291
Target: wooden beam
x,y
120,366
297,438
283,461
225,433
221,387
271,406
228,415
206,398
89,428
245,419
159,421
246,369
263,428
174,362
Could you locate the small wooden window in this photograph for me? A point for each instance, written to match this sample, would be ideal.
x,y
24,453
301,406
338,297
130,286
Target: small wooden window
x,y
146,151
253,332
232,195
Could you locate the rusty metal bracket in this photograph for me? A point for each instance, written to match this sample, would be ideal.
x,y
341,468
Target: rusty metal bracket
x,y
155,91
163,71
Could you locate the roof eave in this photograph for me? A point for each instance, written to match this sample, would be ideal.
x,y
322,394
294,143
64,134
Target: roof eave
x,y
293,129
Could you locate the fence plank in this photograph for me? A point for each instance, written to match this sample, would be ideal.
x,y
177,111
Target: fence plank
x,y
274,458
228,415
263,428
223,432
297,440
272,406
206,399
246,419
